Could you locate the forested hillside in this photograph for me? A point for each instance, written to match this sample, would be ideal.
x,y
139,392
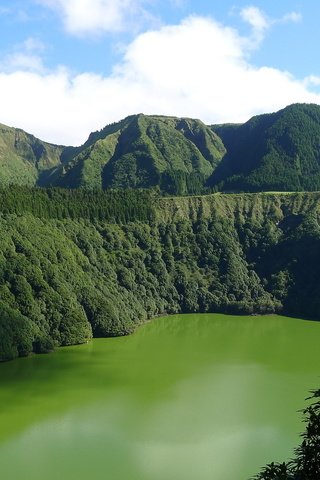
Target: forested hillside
x,y
24,159
278,151
123,235
177,156
66,273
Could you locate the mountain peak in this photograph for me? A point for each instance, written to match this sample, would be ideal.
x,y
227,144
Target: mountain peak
x,y
274,151
277,151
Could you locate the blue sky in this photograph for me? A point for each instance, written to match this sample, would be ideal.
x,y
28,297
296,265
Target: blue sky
x,y
68,67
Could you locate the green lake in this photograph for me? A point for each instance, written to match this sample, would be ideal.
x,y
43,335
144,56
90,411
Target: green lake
x,y
187,397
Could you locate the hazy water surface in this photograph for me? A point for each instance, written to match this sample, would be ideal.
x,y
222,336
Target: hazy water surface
x,y
187,397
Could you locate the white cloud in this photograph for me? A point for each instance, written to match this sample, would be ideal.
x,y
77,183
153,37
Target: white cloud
x,y
261,23
22,61
198,68
312,81
294,17
25,56
256,18
93,17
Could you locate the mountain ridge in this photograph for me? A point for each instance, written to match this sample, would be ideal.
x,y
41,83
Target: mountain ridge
x,y
23,157
278,151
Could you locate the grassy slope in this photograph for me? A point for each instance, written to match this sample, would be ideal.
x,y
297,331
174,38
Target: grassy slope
x,y
243,206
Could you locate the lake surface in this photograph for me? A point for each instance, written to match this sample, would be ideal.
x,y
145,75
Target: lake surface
x,y
187,397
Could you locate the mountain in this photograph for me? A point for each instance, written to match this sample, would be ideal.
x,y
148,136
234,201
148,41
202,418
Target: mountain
x,y
176,154
278,151
24,159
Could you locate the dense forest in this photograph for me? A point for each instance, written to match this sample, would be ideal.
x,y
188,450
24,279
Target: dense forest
x,y
178,156
278,152
99,238
67,272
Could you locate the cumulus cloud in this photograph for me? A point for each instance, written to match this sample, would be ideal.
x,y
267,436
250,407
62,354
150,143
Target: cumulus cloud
x,y
92,17
198,68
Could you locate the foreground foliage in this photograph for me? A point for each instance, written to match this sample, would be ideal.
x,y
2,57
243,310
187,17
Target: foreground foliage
x,y
306,462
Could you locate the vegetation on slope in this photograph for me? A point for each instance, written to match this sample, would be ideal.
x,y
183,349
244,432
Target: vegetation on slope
x,y
178,156
115,206
175,154
24,159
67,273
278,151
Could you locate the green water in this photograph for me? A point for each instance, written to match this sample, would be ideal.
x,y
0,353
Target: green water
x,y
187,397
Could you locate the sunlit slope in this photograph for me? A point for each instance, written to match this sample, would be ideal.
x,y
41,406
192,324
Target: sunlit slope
x,y
175,154
178,156
24,159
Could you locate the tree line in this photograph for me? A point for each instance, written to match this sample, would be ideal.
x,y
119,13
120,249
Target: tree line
x,y
66,275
